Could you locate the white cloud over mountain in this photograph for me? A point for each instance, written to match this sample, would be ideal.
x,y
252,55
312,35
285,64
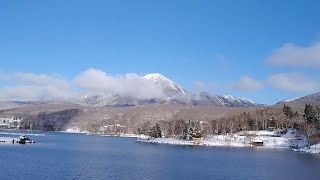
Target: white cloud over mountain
x,y
31,86
130,85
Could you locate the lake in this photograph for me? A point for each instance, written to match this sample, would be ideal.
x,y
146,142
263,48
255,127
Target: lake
x,y
79,156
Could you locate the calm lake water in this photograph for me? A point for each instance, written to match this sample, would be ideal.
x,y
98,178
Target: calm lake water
x,y
76,156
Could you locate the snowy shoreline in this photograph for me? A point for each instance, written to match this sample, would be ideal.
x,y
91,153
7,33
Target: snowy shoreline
x,y
269,139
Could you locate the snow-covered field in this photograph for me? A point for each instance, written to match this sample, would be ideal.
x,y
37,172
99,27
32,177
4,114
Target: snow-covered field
x,y
242,139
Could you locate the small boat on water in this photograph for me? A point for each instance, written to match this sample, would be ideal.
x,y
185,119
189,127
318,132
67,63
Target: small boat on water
x,y
24,139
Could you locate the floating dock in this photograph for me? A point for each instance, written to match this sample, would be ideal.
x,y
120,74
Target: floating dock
x,y
19,140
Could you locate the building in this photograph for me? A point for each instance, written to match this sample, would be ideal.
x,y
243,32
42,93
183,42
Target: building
x,y
10,123
113,129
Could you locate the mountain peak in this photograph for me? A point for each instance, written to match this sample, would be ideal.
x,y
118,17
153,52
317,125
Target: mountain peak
x,y
169,86
156,76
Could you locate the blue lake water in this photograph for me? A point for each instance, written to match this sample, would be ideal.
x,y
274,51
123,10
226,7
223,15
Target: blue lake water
x,y
76,156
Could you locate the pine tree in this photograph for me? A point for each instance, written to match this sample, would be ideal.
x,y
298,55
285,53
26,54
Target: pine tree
x,y
193,130
157,131
287,111
310,114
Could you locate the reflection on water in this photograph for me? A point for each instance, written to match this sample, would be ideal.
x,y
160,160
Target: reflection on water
x,y
77,156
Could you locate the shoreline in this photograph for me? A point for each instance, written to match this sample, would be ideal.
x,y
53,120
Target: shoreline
x,y
237,140
290,140
314,149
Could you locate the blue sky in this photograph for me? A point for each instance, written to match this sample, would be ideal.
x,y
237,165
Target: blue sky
x,y
263,50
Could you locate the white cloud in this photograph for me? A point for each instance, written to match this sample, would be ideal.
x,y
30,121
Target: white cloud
x,y
33,93
96,81
41,80
292,55
247,84
296,82
29,86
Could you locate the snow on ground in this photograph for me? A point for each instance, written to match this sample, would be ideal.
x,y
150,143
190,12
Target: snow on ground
x,y
172,141
269,140
75,130
290,100
314,149
122,135
129,135
260,133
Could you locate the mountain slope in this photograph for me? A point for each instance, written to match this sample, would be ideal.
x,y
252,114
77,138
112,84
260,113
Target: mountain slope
x,y
170,88
17,104
232,101
301,101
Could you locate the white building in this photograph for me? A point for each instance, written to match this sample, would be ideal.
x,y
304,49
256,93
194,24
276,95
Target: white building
x,y
10,123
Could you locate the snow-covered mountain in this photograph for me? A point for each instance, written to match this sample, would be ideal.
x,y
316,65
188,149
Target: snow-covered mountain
x,y
301,101
174,94
170,88
232,101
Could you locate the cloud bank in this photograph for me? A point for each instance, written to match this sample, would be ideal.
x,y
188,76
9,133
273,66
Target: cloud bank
x,y
30,86
289,55
129,85
289,82
293,55
295,82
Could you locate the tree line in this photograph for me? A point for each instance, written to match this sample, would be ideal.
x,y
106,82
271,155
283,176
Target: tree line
x,y
262,119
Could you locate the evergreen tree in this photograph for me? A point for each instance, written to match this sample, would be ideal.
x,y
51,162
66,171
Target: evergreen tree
x,y
193,130
310,114
287,111
157,132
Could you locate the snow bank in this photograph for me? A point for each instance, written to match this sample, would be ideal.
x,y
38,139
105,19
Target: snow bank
x,y
260,133
288,140
75,130
122,135
314,149
129,135
172,141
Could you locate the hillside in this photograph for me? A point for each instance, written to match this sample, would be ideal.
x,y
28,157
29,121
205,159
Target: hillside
x,y
301,101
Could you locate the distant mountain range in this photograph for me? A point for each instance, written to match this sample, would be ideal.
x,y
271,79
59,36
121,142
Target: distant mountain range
x,y
174,94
